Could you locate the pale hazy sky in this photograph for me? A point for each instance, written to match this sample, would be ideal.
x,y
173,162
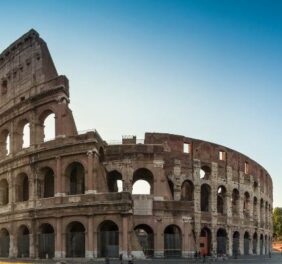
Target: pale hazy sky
x,y
204,69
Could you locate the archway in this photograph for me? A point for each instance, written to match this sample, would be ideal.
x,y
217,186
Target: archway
x,y
4,243
4,192
115,183
22,188
108,239
143,182
75,240
221,241
23,242
187,191
236,244
172,241
205,241
235,202
49,126
145,237
246,243
205,197
48,182
261,244
205,172
255,243
46,241
75,176
221,200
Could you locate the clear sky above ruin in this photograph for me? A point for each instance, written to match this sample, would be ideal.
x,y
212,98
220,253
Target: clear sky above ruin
x,y
204,69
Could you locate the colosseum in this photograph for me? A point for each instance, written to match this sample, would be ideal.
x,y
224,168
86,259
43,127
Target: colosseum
x,y
75,196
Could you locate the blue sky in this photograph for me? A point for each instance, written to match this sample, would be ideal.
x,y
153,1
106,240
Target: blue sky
x,y
204,69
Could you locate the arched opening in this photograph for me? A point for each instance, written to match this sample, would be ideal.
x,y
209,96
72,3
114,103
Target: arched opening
x,y
246,243
236,244
5,143
143,180
221,200
4,192
172,241
75,176
265,245
171,187
187,191
261,212
23,242
49,127
115,183
205,172
235,202
255,243
22,188
246,207
221,241
26,136
255,205
205,241
46,241
75,240
4,243
145,236
108,239
261,244
47,183
205,197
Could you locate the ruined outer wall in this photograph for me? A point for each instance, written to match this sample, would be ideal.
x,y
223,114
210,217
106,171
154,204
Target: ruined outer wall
x,y
164,156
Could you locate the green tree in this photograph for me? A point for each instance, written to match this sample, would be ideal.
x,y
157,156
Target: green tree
x,y
277,223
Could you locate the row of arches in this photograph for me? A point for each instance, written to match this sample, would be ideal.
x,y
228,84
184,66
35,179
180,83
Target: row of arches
x,y
75,237
108,241
256,245
74,175
21,138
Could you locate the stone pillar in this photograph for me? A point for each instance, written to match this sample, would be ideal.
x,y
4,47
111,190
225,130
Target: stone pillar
x,y
32,245
12,250
214,240
241,245
89,188
59,191
127,177
177,173
58,239
95,244
125,245
230,242
159,239
186,235
159,176
89,239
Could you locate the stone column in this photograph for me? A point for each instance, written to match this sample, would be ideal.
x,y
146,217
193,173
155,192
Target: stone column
x,y
89,174
186,234
125,245
32,245
59,191
89,236
58,239
159,239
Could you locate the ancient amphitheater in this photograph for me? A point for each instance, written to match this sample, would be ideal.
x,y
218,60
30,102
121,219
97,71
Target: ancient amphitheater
x,y
71,197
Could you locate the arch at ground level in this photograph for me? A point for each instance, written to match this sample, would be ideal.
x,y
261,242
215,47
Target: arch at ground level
x,y
108,239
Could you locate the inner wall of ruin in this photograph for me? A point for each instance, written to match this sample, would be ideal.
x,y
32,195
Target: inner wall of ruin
x,y
71,196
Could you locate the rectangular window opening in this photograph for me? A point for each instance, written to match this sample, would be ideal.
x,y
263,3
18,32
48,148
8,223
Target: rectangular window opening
x,y
186,148
222,155
246,168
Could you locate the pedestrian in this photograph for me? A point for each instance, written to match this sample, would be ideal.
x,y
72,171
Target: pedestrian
x,y
120,258
107,260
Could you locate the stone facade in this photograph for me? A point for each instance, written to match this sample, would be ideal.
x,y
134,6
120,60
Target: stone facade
x,y
60,198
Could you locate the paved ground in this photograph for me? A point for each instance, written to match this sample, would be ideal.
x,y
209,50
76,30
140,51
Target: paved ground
x,y
276,258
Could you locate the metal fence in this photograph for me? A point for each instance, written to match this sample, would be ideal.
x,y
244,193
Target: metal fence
x,y
221,244
23,246
46,245
172,245
109,246
4,246
75,244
